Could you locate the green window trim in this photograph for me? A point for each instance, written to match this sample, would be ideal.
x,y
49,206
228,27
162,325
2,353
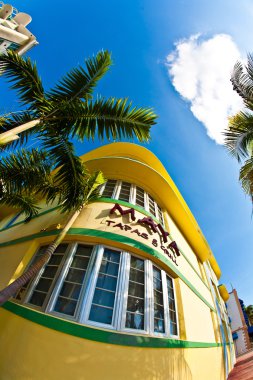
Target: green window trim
x,y
116,237
100,335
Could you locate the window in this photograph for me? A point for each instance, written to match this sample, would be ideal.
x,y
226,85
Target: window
x,y
131,193
136,295
104,287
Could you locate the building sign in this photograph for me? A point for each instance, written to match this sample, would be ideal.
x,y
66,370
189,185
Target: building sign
x,y
159,241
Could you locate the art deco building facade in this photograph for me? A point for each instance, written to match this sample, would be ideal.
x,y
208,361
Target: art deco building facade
x,y
132,292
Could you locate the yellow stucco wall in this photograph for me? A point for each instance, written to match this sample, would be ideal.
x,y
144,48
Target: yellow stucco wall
x,y
51,355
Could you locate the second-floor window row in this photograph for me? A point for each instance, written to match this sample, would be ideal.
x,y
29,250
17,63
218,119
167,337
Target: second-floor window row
x,y
133,194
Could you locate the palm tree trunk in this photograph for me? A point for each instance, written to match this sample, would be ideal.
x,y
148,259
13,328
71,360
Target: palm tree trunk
x,y
10,290
10,135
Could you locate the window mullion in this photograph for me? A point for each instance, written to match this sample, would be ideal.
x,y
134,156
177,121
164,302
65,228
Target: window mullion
x,y
91,283
117,188
166,304
122,294
132,198
149,312
146,201
102,188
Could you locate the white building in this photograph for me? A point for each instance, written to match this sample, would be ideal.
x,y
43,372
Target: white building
x,y
14,34
238,323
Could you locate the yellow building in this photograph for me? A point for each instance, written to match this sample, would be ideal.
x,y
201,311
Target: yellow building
x,y
132,292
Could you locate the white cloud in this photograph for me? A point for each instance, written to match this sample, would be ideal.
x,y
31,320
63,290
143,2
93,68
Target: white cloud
x,y
200,71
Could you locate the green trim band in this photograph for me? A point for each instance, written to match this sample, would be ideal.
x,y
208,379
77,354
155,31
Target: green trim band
x,y
123,203
36,216
90,333
119,238
127,204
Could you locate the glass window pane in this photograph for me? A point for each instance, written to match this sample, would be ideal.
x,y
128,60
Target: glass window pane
x,y
109,188
135,289
103,297
38,298
50,271
173,329
75,275
172,307
83,250
136,295
111,255
137,276
134,304
106,282
101,314
109,268
55,260
80,262
151,205
135,320
70,290
44,284
140,197
125,191
160,214
137,263
65,306
107,278
159,325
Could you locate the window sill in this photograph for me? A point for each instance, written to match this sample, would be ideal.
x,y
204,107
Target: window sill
x,y
99,335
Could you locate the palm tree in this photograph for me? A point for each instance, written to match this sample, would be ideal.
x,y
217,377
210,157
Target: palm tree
x,y
239,134
26,177
67,111
249,312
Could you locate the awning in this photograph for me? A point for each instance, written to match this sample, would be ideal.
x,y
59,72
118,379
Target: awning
x,y
223,292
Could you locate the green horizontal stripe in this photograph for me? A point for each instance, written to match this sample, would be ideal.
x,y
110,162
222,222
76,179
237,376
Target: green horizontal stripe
x,y
123,203
129,205
97,335
36,216
113,237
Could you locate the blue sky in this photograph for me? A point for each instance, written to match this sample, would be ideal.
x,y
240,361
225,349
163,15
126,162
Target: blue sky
x,y
141,35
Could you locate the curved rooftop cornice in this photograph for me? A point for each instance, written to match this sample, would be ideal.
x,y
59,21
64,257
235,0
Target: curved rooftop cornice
x,y
134,163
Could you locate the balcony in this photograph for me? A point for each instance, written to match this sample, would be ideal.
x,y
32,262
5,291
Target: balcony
x,y
14,34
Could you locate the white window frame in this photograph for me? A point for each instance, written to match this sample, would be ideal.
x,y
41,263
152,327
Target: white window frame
x,y
122,324
132,198
87,291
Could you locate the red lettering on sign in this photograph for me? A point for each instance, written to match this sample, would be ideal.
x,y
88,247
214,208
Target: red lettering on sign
x,y
119,225
136,232
123,212
174,248
109,222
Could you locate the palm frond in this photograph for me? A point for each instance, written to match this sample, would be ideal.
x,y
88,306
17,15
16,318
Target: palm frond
x,y
112,119
246,176
239,135
15,120
70,172
26,204
79,83
23,75
28,170
93,183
